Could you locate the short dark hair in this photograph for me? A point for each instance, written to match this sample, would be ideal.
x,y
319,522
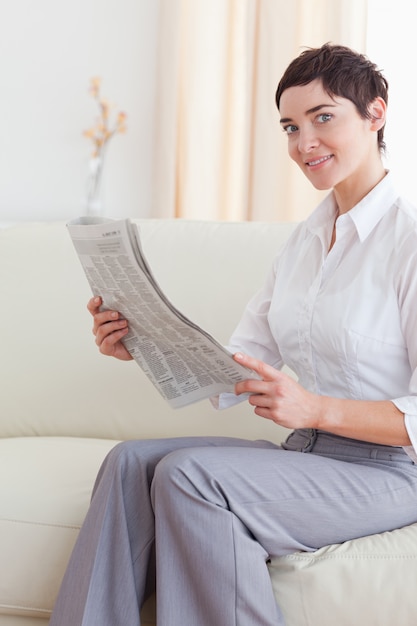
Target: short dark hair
x,y
343,72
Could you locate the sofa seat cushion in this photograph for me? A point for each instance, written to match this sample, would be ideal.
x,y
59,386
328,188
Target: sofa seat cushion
x,y
351,583
45,486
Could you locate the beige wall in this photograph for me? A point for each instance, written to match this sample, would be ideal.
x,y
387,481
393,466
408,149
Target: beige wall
x,y
49,49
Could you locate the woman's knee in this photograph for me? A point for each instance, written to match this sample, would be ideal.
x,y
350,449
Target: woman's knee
x,y
171,463
171,468
187,471
136,458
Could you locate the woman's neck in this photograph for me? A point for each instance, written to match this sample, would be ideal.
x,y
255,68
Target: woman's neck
x,y
351,191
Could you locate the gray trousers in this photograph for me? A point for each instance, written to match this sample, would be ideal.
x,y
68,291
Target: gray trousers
x,y
207,513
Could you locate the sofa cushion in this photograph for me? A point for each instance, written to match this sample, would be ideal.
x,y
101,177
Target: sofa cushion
x,y
64,376
45,486
351,583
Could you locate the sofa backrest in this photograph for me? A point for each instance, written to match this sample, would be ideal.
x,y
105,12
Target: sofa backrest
x,y
53,379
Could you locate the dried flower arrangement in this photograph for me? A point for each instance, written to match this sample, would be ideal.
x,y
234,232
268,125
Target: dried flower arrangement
x,y
100,134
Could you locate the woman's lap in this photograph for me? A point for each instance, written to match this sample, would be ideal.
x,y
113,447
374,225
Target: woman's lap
x,y
319,500
223,494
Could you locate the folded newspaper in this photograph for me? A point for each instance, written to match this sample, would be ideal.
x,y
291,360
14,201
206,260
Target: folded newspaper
x,y
184,362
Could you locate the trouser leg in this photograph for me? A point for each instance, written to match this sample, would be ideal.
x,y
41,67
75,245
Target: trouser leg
x,y
110,571
221,513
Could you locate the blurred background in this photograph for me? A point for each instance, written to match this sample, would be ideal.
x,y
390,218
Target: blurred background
x,y
196,79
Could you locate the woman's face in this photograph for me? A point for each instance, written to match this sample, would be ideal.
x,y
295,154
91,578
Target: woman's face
x,y
327,138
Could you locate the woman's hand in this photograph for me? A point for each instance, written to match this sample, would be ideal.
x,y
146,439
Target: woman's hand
x,y
109,329
281,399
277,396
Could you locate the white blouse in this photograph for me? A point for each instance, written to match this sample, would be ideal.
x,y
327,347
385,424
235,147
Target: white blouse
x,y
344,321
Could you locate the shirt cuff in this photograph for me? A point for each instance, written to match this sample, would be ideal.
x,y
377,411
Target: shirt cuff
x,y
408,406
226,400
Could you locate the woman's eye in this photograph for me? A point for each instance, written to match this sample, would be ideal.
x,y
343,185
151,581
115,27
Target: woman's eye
x,y
290,129
324,117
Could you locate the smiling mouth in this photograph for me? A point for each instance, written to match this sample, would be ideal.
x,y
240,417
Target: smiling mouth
x,y
318,161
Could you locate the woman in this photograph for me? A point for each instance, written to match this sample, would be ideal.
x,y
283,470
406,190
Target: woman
x,y
338,308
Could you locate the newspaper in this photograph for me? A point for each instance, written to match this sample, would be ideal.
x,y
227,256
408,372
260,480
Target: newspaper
x,y
183,362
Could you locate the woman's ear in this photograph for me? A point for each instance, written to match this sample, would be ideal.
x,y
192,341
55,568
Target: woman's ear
x,y
377,113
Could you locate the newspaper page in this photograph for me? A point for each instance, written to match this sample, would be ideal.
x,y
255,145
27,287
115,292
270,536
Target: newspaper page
x,y
183,362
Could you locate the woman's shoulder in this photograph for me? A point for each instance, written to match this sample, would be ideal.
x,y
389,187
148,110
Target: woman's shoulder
x,y
407,210
404,226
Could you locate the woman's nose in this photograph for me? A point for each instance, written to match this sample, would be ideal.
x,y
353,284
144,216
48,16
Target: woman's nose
x,y
307,140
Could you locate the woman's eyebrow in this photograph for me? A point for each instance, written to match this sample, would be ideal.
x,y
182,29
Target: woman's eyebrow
x,y
285,120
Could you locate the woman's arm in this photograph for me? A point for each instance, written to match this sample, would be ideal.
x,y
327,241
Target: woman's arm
x,y
281,399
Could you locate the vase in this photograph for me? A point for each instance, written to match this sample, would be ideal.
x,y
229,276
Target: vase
x,y
93,201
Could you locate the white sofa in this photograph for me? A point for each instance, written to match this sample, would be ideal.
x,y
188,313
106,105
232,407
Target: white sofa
x,y
63,406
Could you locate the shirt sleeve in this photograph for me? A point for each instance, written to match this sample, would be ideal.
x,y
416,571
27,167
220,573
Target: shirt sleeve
x,y
253,336
407,291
